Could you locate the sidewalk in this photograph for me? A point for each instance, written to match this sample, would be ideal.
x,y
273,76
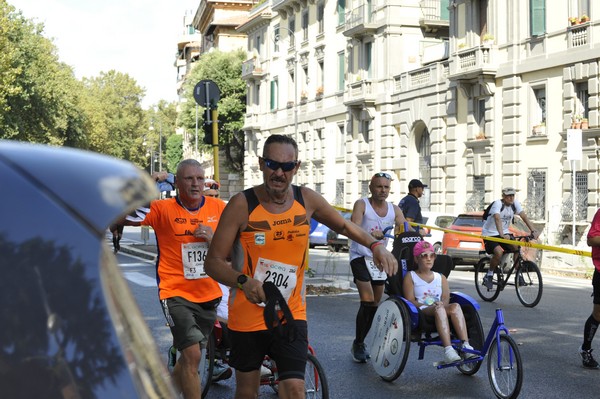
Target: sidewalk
x,y
315,279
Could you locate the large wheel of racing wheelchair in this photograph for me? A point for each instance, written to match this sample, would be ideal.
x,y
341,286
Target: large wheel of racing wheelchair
x,y
391,339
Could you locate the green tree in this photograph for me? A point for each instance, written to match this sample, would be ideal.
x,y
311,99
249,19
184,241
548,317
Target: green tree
x,y
163,119
116,124
225,69
38,94
174,152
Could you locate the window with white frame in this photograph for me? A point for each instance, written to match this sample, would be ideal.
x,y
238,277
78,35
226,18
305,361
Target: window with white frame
x,y
277,38
257,94
365,127
340,144
578,8
536,194
538,115
305,25
321,16
581,99
320,77
292,30
274,93
258,43
368,60
292,87
341,71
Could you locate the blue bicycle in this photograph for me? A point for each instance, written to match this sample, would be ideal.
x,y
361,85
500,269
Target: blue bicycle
x,y
398,322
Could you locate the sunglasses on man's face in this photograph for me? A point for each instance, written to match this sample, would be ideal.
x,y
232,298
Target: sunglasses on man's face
x,y
274,165
386,175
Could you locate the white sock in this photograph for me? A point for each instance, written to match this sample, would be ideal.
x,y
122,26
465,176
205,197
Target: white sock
x,y
448,348
467,346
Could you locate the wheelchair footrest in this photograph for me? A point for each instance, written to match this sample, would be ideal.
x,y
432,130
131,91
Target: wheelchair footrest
x,y
443,365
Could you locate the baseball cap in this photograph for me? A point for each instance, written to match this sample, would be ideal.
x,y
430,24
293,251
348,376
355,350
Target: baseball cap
x,y
210,184
414,183
508,191
422,246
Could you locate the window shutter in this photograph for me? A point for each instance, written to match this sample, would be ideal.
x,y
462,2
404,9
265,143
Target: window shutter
x,y
538,17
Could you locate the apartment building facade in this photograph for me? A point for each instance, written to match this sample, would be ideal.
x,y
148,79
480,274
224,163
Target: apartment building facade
x,y
467,95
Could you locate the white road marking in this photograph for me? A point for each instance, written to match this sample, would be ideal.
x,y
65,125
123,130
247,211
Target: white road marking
x,y
140,279
137,264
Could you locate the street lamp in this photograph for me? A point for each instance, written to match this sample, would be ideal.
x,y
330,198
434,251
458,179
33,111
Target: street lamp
x,y
159,143
292,37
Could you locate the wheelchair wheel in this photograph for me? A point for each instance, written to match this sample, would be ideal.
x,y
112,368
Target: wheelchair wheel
x,y
207,364
505,369
528,282
315,382
391,339
487,294
476,338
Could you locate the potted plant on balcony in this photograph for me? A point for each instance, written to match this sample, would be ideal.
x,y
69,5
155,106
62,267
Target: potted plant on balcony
x,y
290,104
487,39
319,93
303,97
573,20
576,121
584,123
584,18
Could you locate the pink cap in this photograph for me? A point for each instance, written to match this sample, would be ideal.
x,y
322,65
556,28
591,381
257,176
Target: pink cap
x,y
422,246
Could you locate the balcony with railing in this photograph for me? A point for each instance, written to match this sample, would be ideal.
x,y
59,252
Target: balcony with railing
x,y
360,93
473,62
429,75
435,15
578,35
252,69
362,21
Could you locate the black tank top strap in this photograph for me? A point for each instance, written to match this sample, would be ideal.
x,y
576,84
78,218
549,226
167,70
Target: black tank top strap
x,y
251,198
298,194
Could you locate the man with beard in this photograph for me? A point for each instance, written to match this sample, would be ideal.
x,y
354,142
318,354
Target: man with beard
x,y
373,214
265,231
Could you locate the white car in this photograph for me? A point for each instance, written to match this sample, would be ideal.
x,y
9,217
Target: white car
x,y
432,236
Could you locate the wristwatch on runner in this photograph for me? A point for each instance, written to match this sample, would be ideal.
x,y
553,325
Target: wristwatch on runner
x,y
241,279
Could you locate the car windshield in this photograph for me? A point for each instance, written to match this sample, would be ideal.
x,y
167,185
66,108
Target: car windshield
x,y
468,221
444,221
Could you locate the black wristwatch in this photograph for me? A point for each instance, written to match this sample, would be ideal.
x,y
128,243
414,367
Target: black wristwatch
x,y
241,280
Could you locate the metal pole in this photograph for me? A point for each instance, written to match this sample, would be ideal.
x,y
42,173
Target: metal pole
x,y
574,197
215,140
160,148
196,131
297,77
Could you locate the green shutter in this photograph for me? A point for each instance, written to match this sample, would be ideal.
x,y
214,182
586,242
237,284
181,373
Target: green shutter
x,y
341,71
341,9
444,12
538,17
272,95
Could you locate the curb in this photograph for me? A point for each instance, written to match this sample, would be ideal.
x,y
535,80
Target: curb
x,y
131,250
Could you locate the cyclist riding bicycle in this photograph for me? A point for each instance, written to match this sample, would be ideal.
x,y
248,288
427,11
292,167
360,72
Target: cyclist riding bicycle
x,y
499,218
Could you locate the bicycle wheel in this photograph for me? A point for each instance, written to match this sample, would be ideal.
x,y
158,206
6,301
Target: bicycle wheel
x,y
487,294
391,339
207,364
505,369
315,382
528,282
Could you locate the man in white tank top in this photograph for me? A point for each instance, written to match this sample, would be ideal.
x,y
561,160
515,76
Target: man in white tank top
x,y
373,214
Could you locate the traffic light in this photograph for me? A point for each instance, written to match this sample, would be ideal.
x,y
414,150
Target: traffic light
x,y
207,127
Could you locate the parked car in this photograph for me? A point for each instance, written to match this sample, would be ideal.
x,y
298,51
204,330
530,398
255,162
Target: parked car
x,y
464,249
433,236
338,242
73,328
318,234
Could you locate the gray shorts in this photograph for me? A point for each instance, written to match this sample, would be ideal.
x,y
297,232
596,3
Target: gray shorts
x,y
191,323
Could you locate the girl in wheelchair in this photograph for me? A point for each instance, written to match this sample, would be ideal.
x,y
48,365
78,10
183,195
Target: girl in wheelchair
x,y
429,291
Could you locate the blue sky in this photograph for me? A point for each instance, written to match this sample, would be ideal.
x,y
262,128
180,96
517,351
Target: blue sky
x,y
137,37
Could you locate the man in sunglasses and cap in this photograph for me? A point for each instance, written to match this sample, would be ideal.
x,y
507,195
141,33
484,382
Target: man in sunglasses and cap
x,y
263,237
410,204
373,214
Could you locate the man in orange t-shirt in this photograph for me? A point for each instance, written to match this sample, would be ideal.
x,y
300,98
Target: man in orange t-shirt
x,y
184,228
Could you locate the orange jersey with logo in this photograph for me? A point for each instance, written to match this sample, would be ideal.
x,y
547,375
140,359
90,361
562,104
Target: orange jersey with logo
x,y
178,248
273,247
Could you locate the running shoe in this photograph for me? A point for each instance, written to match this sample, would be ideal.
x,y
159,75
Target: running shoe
x,y
221,372
172,358
488,282
587,359
359,352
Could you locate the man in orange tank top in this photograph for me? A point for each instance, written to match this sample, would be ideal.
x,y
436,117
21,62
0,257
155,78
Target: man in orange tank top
x,y
265,231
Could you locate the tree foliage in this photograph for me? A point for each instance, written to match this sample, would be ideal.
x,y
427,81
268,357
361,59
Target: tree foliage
x,y
38,94
174,152
225,69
